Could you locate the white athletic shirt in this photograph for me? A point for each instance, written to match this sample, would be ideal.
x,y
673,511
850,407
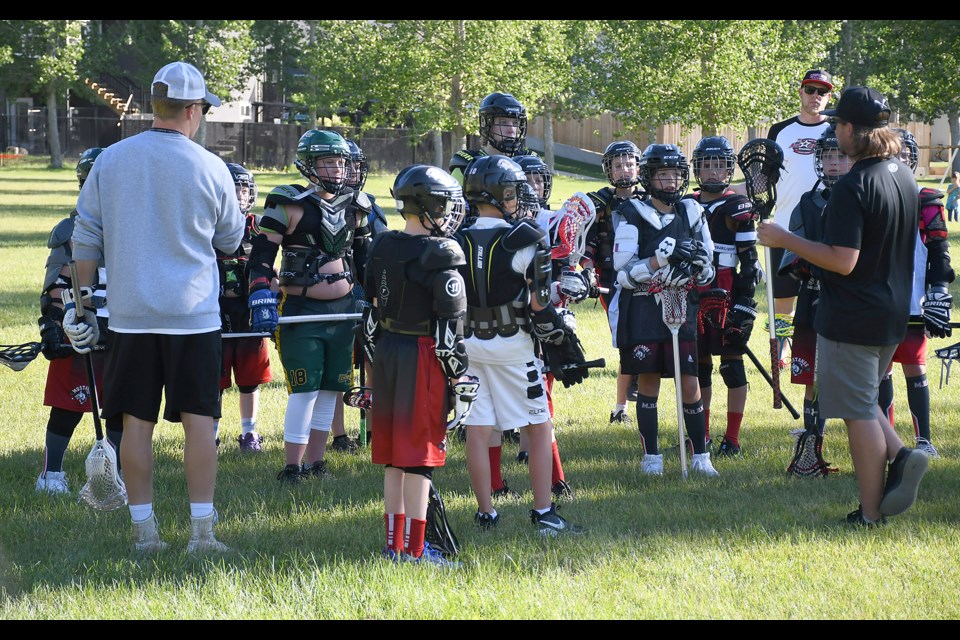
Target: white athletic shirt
x,y
799,144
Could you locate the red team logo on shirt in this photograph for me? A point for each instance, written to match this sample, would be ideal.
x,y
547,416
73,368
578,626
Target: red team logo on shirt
x,y
804,146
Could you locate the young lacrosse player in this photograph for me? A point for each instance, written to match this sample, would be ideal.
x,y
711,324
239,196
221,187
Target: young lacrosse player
x,y
248,359
831,164
621,166
413,335
663,239
506,248
67,391
929,306
731,218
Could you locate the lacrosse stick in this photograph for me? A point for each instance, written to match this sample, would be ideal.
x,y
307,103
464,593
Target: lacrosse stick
x,y
947,355
760,160
18,356
328,317
363,408
673,309
713,311
104,489
571,232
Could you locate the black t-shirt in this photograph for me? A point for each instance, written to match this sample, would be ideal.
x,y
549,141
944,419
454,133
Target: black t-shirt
x,y
874,208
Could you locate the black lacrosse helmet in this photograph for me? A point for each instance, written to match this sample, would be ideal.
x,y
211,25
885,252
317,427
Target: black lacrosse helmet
x,y
493,180
713,148
827,144
432,194
243,178
358,168
315,144
535,166
618,149
503,105
85,163
909,151
664,156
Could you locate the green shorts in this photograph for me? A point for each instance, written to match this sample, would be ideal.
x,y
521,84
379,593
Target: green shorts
x,y
316,355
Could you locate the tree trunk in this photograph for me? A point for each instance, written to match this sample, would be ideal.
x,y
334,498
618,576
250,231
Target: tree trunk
x,y
436,143
53,130
953,119
548,152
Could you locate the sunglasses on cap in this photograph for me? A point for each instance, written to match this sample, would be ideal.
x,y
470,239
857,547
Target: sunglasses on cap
x,y
813,90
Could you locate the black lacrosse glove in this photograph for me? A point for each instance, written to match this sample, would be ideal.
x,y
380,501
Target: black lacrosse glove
x,y
740,322
936,311
54,343
563,360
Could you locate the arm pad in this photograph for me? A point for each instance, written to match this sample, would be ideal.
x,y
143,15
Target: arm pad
x,y
449,348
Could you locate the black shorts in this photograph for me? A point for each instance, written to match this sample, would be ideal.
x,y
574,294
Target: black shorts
x,y
783,286
184,368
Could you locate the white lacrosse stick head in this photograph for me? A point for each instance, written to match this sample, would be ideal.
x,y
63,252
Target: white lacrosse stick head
x,y
673,302
104,490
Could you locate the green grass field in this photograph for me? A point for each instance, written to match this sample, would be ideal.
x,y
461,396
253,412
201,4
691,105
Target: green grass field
x,y
751,544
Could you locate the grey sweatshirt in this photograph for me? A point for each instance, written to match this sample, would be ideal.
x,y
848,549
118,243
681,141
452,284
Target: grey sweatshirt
x,y
155,206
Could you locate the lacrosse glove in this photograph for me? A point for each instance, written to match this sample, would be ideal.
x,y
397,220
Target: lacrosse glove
x,y
462,395
54,343
936,311
80,327
740,322
574,285
264,317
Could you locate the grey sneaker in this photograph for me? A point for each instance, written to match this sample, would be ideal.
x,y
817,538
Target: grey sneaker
x,y
903,481
53,482
202,539
553,524
701,464
927,447
250,442
620,417
652,464
147,537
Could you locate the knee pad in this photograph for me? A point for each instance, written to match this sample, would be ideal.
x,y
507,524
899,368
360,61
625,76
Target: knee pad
x,y
705,373
296,420
426,472
63,422
323,410
733,374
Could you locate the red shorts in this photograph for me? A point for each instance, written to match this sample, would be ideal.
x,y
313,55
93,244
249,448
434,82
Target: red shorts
x,y
913,349
803,353
249,361
67,386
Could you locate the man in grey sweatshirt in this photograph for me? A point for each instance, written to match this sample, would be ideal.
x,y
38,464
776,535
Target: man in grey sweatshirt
x,y
155,207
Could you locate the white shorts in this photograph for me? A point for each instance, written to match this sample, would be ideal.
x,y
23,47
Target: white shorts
x,y
511,396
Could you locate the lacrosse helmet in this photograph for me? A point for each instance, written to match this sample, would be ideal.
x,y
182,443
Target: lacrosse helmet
x,y
909,151
358,168
710,154
620,149
495,180
537,172
244,179
829,161
316,145
503,105
664,156
86,163
432,194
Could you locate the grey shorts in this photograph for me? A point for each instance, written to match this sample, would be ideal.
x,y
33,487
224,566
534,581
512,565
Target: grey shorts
x,y
848,378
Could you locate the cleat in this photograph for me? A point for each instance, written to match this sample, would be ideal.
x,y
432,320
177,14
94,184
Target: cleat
x,y
903,481
202,539
391,555
927,447
511,435
620,417
855,519
316,469
250,442
505,492
552,524
431,556
523,457
53,482
652,465
344,444
727,449
290,474
147,537
632,390
561,489
485,520
701,464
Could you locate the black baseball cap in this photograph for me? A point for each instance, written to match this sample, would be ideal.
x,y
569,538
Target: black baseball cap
x,y
816,75
862,106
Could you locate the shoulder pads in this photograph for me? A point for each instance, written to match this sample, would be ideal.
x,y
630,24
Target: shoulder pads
x,y
364,202
61,233
439,254
462,158
525,233
929,195
736,207
694,212
285,194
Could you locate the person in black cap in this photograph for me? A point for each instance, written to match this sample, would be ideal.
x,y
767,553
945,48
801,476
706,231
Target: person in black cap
x,y
797,137
866,260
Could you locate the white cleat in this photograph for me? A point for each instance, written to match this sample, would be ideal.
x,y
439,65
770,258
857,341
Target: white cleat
x,y
53,482
701,464
652,465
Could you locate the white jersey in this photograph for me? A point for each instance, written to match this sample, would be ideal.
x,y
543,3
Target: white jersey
x,y
799,144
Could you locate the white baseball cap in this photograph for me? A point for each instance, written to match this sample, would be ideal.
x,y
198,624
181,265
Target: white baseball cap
x,y
182,81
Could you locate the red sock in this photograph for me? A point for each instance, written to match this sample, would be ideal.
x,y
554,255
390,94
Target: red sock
x,y
496,475
557,465
395,530
733,427
415,532
706,416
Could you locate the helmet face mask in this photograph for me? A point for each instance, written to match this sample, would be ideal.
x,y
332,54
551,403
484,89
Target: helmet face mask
x,y
830,162
433,195
909,151
621,163
358,167
85,163
713,164
246,186
539,177
497,181
666,186
503,123
322,158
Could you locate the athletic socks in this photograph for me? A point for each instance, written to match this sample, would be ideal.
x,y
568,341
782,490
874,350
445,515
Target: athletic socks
x,y
141,512
706,421
734,421
414,538
885,397
396,530
918,397
56,448
248,425
216,428
496,474
200,509
647,423
693,420
557,466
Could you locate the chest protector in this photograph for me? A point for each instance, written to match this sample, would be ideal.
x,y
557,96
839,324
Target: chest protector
x,y
719,213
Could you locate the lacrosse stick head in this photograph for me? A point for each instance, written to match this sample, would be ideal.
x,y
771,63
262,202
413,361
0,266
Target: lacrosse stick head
x,y
808,459
761,161
359,398
673,302
714,304
104,490
18,356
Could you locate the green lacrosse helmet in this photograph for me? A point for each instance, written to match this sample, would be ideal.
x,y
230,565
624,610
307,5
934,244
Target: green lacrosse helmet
x,y
86,163
316,144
